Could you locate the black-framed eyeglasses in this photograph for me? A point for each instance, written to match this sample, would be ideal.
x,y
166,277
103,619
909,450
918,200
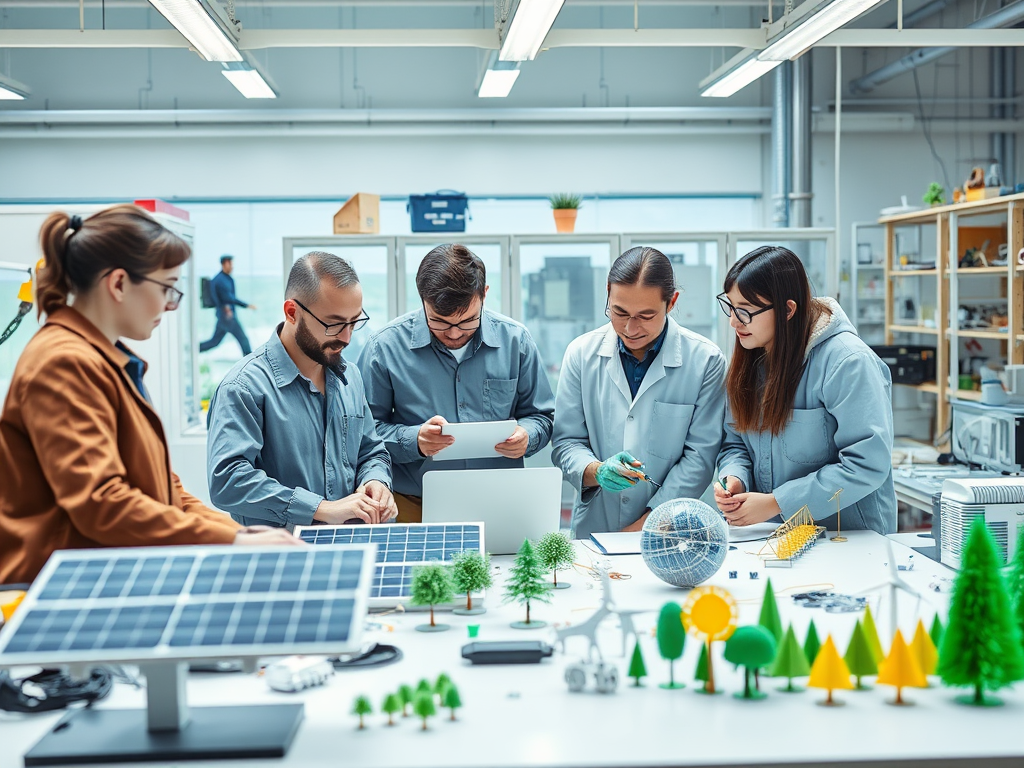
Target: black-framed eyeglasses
x,y
333,329
466,325
172,295
625,317
743,315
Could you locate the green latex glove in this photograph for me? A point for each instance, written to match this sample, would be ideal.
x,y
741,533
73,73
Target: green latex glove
x,y
616,474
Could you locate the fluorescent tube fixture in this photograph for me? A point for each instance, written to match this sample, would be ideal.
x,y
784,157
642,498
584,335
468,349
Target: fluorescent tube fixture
x,y
249,83
497,83
821,22
12,90
196,21
736,74
530,24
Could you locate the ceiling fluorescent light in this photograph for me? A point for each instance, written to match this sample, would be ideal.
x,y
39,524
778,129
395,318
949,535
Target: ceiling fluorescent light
x,y
736,74
250,83
12,90
497,83
822,21
196,21
530,24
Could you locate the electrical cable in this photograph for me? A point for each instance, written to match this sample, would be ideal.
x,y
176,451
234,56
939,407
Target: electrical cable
x,y
12,326
51,689
927,132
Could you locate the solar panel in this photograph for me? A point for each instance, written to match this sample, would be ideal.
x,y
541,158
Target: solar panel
x,y
171,603
400,547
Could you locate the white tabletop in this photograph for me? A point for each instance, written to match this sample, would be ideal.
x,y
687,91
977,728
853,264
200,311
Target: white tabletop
x,y
524,715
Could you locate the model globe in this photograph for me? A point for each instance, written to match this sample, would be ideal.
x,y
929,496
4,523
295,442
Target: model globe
x,y
684,542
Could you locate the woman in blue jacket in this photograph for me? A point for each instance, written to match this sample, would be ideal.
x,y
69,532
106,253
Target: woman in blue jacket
x,y
809,407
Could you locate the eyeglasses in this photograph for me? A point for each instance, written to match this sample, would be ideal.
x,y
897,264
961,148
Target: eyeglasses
x,y
172,295
333,329
625,317
743,315
466,325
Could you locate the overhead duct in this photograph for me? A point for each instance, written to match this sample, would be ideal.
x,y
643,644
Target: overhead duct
x,y
781,147
800,197
1008,16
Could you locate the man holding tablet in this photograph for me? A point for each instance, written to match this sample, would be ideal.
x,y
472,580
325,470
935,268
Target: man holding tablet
x,y
452,361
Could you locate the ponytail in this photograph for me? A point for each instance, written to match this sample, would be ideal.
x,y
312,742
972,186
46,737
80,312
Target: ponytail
x,y
77,253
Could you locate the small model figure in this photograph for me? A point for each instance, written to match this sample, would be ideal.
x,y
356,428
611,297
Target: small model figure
x,y
637,668
392,704
812,645
451,699
671,640
432,585
556,553
838,538
471,572
900,669
860,658
751,647
362,707
526,584
790,661
830,672
424,707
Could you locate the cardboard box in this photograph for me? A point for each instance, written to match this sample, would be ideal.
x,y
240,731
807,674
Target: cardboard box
x,y
360,215
984,193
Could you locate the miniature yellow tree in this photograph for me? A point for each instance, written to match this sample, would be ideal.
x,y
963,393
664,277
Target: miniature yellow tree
x,y
830,672
901,669
924,651
710,613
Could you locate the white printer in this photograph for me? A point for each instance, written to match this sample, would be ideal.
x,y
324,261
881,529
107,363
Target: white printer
x,y
997,501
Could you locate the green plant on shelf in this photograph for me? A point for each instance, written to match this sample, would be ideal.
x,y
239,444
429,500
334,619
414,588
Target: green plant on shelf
x,y
564,200
936,194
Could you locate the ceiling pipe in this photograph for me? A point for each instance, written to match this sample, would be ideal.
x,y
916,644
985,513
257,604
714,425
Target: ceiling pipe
x,y
926,11
1011,14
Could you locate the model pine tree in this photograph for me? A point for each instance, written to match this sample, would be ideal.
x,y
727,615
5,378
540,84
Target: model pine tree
x,y
790,661
556,553
423,686
701,673
392,704
752,648
936,631
451,699
637,668
981,646
859,658
526,583
406,696
423,706
442,682
769,618
871,633
470,572
829,671
432,585
671,639
812,645
900,668
1015,585
924,650
362,707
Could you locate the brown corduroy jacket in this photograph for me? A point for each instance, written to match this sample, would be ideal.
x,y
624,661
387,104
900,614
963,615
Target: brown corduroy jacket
x,y
83,458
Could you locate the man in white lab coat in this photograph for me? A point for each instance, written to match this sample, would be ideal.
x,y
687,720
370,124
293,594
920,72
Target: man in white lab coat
x,y
640,404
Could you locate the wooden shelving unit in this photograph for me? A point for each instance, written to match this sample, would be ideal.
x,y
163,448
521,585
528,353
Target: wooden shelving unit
x,y
957,228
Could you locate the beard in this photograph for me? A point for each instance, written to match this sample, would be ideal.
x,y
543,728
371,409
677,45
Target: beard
x,y
328,355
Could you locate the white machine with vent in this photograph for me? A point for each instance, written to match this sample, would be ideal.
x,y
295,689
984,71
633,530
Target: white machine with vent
x,y
998,501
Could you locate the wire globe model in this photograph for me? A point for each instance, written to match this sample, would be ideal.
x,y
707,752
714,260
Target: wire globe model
x,y
684,542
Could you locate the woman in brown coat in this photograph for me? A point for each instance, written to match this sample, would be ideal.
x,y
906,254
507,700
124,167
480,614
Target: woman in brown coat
x,y
83,458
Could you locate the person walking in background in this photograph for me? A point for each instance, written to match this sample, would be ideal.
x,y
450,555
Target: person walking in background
x,y
223,288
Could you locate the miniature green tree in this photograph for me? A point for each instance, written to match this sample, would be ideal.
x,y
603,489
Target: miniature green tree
x,y
859,657
790,661
981,646
432,585
637,668
556,553
423,706
769,618
871,633
526,583
935,194
471,572
701,673
751,647
423,686
451,699
362,707
1015,586
392,704
671,639
442,682
406,696
812,645
936,631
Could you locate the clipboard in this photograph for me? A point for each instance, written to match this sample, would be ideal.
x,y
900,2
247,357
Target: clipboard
x,y
475,439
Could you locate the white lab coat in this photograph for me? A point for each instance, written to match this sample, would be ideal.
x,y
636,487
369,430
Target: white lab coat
x,y
674,425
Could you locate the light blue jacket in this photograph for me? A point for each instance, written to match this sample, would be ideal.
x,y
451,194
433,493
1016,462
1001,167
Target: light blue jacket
x,y
839,436
674,425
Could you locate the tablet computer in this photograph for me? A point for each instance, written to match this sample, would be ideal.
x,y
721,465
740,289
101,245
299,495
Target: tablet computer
x,y
475,439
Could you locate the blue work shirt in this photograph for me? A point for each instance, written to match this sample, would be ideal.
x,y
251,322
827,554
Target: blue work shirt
x,y
223,288
634,369
135,368
277,447
411,377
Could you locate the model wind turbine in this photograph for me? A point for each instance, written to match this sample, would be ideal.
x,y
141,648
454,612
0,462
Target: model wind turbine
x,y
892,584
838,538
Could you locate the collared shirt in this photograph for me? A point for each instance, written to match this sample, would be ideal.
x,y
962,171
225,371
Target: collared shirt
x,y
135,368
277,447
634,369
223,286
410,377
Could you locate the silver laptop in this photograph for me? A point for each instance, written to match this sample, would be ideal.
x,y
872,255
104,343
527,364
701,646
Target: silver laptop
x,y
513,504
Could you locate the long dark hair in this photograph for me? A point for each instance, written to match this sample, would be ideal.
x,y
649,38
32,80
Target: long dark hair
x,y
77,252
644,266
762,383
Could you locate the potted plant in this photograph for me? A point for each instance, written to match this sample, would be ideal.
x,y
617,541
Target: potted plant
x,y
936,194
564,206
